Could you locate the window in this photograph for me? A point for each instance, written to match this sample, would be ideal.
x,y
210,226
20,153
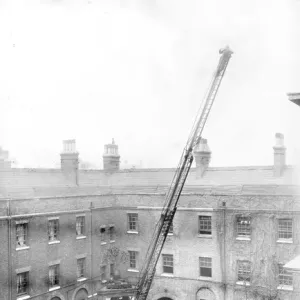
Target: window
x,y
81,268
111,233
243,226
112,270
205,266
244,269
80,228
133,259
167,263
53,276
133,222
102,234
285,277
285,229
22,234
22,283
103,272
205,225
53,230
171,229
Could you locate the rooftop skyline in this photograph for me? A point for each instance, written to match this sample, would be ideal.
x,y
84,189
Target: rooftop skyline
x,y
74,69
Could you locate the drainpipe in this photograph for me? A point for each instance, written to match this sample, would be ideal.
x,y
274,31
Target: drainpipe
x,y
9,254
224,250
91,243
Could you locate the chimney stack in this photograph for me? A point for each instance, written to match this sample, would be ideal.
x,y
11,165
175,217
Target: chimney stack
x,y
111,157
279,155
69,160
5,163
202,155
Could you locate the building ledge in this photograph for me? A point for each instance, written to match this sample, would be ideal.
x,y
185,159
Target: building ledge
x,y
284,241
167,275
285,288
205,278
23,297
205,236
22,248
243,238
80,237
133,270
132,232
54,288
245,283
54,242
81,279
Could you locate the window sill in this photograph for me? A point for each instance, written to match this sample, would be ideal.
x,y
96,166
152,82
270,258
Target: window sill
x,y
170,234
112,241
23,297
132,232
284,241
285,288
167,275
22,248
103,243
243,238
206,236
205,278
80,237
54,288
133,270
54,242
81,279
245,283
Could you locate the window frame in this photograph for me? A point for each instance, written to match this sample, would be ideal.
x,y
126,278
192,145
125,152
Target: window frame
x,y
203,226
81,268
111,268
103,234
205,264
133,259
56,269
111,233
81,225
241,271
25,287
55,223
285,232
285,277
23,224
243,231
103,274
167,263
130,228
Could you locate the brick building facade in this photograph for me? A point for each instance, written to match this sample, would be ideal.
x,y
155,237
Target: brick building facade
x,y
66,232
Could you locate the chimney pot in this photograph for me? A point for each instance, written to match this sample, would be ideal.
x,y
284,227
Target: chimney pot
x,y
279,155
69,160
202,156
111,157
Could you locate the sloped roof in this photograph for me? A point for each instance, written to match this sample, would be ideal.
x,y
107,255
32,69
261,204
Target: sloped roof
x,y
17,183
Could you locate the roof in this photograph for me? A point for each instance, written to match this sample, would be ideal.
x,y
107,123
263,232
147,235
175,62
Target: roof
x,y
18,183
294,97
294,264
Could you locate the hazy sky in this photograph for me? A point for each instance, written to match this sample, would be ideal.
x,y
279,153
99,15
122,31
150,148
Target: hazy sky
x,y
93,71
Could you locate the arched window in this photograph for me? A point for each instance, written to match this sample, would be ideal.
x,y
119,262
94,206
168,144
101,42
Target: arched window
x,y
55,298
82,294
